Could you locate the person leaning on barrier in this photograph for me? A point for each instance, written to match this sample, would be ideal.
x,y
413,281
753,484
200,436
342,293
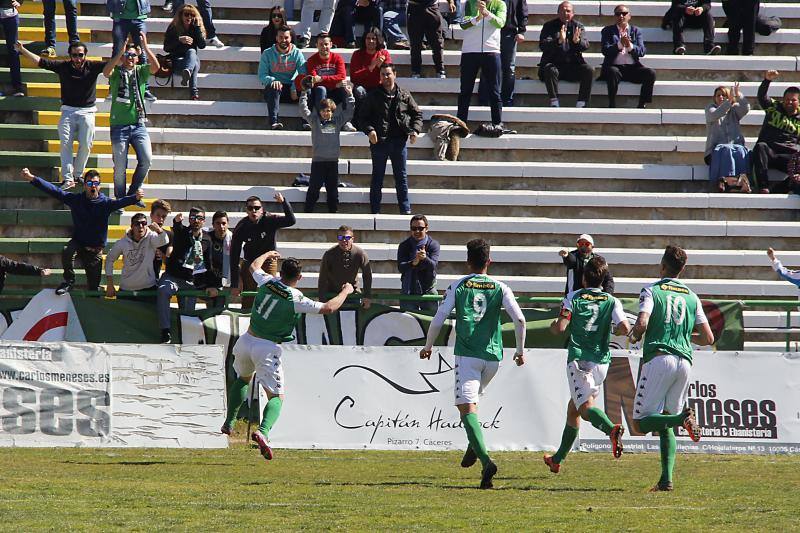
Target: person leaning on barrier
x,y
159,211
218,239
18,268
138,250
576,260
417,259
340,265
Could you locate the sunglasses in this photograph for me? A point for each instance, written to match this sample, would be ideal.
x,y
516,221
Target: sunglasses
x,y
344,237
584,243
93,183
253,207
621,13
196,217
129,55
141,223
277,16
77,55
419,228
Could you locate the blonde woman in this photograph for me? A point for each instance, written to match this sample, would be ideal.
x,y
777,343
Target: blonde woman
x,y
726,153
185,35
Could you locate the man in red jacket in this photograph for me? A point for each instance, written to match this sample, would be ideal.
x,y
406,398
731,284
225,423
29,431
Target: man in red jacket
x,y
326,75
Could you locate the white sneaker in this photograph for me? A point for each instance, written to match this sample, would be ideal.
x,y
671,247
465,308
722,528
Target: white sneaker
x,y
216,42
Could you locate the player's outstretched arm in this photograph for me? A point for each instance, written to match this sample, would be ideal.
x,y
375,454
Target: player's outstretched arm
x,y
433,331
513,310
333,305
259,261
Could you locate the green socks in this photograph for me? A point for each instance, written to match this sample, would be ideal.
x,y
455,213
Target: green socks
x,y
599,420
475,437
668,445
236,395
659,422
271,413
567,439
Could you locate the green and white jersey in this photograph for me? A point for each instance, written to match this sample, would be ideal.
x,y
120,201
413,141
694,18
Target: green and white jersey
x,y
277,308
478,299
592,314
674,310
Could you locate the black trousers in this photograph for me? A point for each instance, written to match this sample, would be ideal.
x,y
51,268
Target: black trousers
x,y
90,258
766,157
326,172
681,20
425,23
551,73
742,16
636,73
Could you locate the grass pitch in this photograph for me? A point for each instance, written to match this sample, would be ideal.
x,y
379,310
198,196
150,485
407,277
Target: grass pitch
x,y
216,490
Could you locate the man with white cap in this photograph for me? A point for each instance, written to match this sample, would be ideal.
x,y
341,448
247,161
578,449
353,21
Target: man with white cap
x,y
576,260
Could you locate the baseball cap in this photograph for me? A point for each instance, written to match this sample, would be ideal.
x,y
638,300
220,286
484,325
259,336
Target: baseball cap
x,y
586,237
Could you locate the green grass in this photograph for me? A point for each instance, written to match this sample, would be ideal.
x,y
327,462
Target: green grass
x,y
215,490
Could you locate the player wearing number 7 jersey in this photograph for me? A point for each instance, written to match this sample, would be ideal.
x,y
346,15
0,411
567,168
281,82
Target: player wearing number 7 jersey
x,y
276,310
670,318
589,313
478,300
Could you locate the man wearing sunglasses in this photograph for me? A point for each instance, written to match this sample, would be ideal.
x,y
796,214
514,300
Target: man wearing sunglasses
x,y
576,261
138,250
623,47
340,265
78,80
417,258
187,268
90,211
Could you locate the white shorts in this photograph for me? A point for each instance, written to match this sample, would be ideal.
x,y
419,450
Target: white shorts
x,y
472,377
585,379
663,384
252,354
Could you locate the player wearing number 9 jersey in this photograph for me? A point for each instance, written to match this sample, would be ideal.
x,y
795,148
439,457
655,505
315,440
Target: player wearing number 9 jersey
x,y
670,318
589,313
276,310
478,300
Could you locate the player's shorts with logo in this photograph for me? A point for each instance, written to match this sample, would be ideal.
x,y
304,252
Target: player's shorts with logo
x,y
663,385
472,377
585,379
253,354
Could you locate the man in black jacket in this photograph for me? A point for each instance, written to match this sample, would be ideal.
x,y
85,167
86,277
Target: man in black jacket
x,y
390,116
9,266
692,14
742,18
576,260
562,42
779,138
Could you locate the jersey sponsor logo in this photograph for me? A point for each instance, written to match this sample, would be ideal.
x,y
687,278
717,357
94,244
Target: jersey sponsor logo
x,y
673,288
279,291
594,297
481,285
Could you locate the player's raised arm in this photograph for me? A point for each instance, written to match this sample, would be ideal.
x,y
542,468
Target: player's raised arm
x,y
702,334
438,321
259,261
561,323
513,310
621,325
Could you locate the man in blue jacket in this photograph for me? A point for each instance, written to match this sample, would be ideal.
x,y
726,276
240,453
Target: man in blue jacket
x,y
90,211
623,47
417,258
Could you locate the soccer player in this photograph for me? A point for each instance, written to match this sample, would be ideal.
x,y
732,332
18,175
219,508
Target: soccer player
x,y
276,310
589,314
670,318
477,299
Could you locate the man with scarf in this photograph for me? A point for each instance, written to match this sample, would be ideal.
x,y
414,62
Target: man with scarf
x,y
127,85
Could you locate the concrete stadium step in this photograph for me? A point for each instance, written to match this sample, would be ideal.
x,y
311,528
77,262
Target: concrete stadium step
x,y
37,34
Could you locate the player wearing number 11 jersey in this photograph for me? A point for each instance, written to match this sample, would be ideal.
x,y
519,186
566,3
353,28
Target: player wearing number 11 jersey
x,y
276,310
670,318
589,313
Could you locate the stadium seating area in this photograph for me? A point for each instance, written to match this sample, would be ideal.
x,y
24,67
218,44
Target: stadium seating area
x,y
633,178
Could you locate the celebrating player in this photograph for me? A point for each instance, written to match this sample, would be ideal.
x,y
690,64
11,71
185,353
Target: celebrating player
x,y
589,314
276,310
477,299
669,313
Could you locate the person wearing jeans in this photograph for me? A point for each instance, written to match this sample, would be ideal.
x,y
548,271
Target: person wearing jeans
x,y
127,85
303,28
394,19
130,19
71,16
185,35
9,20
511,34
204,7
278,69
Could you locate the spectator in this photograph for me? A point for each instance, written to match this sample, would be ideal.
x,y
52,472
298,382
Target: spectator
x,y
9,19
90,211
793,174
138,250
365,65
277,18
71,18
325,146
425,22
186,268
303,28
778,139
742,16
327,73
127,87
576,260
78,82
480,52
726,153
130,18
390,117
219,245
394,18
341,264
792,276
417,258
692,14
277,70
623,48
562,42
185,35
255,235
204,10
159,210
369,13
512,34
9,266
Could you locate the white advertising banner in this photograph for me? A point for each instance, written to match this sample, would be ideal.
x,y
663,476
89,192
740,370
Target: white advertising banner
x,y
387,398
111,395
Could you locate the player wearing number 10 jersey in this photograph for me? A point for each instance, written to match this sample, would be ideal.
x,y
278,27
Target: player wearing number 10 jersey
x,y
670,318
478,300
589,313
276,310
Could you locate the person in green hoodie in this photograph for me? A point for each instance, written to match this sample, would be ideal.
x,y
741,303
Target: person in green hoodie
x,y
278,69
